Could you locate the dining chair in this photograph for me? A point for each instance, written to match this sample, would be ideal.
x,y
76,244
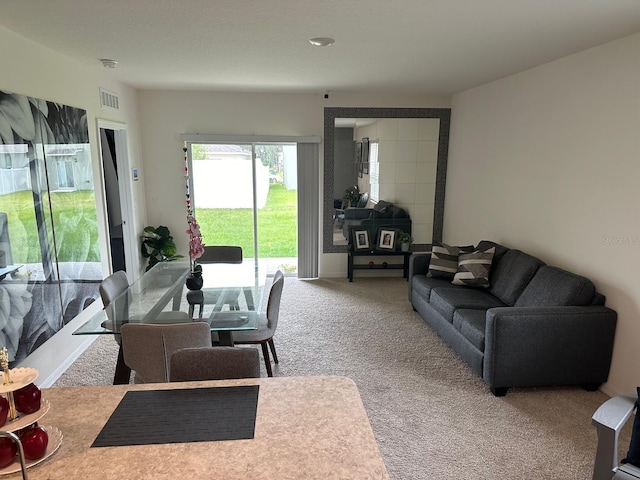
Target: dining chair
x,y
214,363
115,285
147,347
263,335
216,254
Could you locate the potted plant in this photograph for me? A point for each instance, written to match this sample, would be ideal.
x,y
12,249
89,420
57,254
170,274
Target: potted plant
x,y
196,249
158,246
405,241
353,195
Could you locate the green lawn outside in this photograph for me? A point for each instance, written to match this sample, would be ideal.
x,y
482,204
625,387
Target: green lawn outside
x,y
277,225
74,217
77,231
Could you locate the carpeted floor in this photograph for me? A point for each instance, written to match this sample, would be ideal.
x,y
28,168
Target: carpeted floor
x,y
432,417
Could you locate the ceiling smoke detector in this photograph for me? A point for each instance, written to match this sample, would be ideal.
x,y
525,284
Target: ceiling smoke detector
x,y
108,63
322,41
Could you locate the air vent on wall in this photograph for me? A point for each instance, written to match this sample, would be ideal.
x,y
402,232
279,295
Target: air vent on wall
x,y
109,99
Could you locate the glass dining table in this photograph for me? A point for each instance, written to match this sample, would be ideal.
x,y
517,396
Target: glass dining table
x,y
160,296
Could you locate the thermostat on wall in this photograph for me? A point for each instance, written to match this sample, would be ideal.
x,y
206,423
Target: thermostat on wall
x,y
134,174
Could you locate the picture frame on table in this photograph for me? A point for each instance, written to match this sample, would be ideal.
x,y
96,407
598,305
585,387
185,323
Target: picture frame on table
x,y
360,238
387,239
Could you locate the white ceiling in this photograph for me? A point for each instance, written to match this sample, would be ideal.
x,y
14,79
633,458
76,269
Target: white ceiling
x,y
413,46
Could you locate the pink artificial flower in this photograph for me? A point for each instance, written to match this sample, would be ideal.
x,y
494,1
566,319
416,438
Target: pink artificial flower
x,y
196,247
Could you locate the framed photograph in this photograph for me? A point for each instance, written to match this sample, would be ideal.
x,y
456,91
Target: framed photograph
x,y
358,152
365,168
365,150
360,238
387,239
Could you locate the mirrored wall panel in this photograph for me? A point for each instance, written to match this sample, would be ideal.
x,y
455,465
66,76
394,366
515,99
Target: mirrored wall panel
x,y
382,162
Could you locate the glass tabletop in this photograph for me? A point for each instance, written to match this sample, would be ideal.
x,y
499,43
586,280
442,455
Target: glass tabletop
x,y
159,296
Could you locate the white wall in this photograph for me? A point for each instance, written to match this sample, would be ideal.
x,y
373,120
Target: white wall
x,y
168,114
547,161
35,70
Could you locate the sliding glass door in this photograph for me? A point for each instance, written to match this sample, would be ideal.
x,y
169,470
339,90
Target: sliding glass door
x,y
246,195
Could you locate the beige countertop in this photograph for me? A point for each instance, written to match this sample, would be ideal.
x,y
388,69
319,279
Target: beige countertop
x,y
306,428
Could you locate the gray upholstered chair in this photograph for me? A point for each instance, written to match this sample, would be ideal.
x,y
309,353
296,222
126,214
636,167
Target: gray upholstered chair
x,y
214,363
267,326
609,419
216,254
147,348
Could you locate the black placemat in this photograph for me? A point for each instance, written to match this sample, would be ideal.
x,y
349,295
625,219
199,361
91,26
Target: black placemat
x,y
182,415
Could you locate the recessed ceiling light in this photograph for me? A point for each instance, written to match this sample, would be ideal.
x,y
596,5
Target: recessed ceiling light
x,y
108,63
322,41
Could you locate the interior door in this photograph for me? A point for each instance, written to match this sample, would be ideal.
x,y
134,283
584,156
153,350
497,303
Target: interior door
x,y
115,173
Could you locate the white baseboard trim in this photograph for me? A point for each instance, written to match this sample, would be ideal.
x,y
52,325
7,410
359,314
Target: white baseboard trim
x,y
55,355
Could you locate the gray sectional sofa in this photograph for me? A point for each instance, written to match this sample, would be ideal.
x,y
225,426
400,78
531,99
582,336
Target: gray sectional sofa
x,y
534,325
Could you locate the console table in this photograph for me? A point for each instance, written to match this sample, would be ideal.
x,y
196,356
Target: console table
x,y
377,253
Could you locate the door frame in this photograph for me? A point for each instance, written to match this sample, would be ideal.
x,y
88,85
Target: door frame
x,y
125,189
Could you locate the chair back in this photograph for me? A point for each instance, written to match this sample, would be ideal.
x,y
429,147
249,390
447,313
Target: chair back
x,y
147,348
221,254
214,363
364,199
113,286
273,305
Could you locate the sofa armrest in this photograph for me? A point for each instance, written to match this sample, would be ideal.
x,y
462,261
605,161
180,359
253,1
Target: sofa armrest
x,y
548,346
609,419
418,265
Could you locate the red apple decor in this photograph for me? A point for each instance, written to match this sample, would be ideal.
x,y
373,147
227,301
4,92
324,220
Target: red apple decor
x,y
34,441
8,451
27,399
4,410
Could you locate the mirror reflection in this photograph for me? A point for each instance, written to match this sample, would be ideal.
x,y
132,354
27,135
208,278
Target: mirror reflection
x,y
384,168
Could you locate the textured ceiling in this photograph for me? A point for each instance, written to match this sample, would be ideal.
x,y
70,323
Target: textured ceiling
x,y
413,46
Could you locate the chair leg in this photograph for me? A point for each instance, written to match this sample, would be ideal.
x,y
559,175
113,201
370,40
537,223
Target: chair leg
x,y
267,360
272,346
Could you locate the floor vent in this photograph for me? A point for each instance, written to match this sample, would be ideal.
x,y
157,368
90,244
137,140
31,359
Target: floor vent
x,y
109,99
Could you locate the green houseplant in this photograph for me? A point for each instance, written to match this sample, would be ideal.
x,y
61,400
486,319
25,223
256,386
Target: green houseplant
x,y
158,246
353,195
405,241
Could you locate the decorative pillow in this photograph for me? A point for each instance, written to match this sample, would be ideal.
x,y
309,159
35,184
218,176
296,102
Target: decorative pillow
x,y
633,455
444,260
473,268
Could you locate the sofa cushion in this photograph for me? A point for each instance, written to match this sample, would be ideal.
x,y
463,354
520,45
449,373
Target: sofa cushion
x,y
398,212
447,300
424,284
500,249
384,209
552,286
470,324
510,277
444,260
473,268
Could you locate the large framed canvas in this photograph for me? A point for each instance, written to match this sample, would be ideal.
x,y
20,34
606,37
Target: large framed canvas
x,y
48,224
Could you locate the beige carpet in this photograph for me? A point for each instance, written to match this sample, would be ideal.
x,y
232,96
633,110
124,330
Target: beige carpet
x,y
432,417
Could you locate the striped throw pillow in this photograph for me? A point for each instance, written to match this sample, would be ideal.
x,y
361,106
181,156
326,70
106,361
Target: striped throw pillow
x,y
473,268
444,260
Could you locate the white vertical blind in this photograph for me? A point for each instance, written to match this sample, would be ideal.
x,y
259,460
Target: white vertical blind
x,y
308,209
374,172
